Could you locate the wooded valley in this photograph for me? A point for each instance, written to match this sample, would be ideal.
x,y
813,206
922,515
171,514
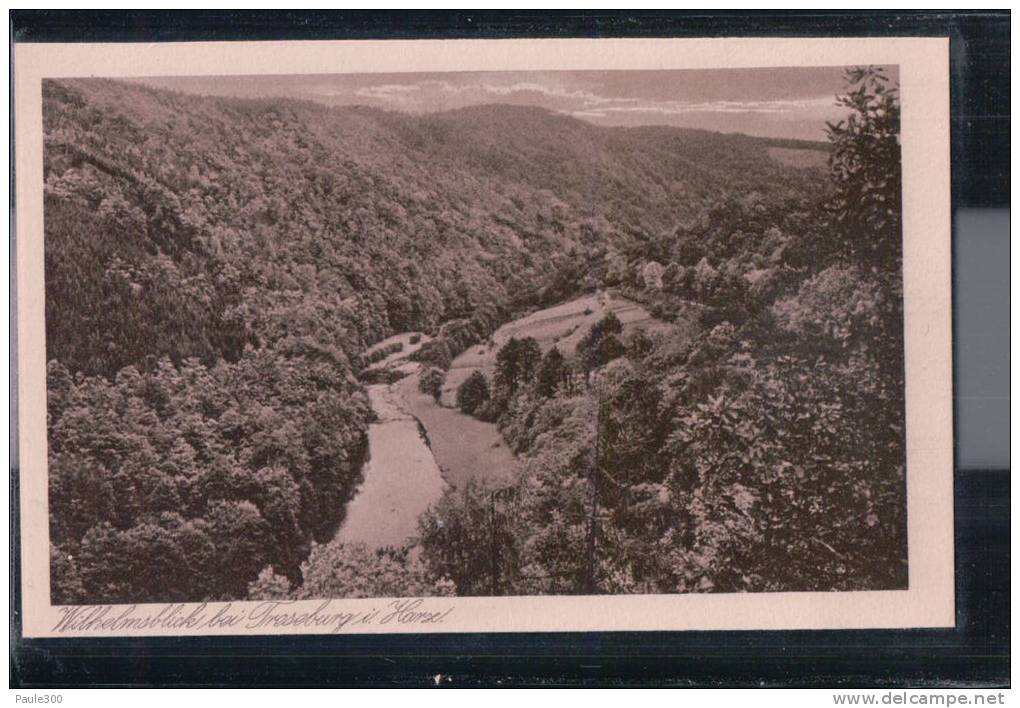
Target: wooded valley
x,y
216,269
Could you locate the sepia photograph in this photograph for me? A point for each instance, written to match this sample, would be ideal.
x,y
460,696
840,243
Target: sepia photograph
x,y
504,349
496,343
500,333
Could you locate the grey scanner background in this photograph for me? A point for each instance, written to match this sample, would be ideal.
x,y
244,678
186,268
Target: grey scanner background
x,y
981,280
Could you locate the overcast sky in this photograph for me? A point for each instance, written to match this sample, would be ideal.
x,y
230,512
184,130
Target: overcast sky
x,y
787,103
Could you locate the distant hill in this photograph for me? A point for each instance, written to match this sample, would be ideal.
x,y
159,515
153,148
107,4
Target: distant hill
x,y
212,218
214,266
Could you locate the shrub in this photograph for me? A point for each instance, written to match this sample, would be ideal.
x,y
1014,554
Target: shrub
x,y
473,393
435,354
835,305
354,570
381,353
489,411
602,344
459,533
552,372
516,363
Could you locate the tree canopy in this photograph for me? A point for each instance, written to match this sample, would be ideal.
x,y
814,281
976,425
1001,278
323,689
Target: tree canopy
x,y
217,268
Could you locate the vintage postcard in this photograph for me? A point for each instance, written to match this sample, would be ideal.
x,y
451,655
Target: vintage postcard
x,y
471,336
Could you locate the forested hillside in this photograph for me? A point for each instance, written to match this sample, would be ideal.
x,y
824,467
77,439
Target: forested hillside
x,y
758,446
215,266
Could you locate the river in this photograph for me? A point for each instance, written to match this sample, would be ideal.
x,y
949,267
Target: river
x,y
405,474
401,477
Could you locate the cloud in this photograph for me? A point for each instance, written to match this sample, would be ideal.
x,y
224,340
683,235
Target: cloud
x,y
432,94
681,107
586,98
389,90
403,93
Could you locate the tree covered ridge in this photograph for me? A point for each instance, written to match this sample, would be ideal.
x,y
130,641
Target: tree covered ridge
x,y
215,267
219,209
759,446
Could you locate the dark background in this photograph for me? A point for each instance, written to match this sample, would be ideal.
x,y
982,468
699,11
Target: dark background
x,y
975,653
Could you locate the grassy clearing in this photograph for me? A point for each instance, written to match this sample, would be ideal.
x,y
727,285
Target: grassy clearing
x,y
796,157
561,326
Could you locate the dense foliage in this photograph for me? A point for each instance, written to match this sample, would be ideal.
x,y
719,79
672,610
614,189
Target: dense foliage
x,y
758,446
215,269
344,570
377,354
456,335
601,344
160,481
